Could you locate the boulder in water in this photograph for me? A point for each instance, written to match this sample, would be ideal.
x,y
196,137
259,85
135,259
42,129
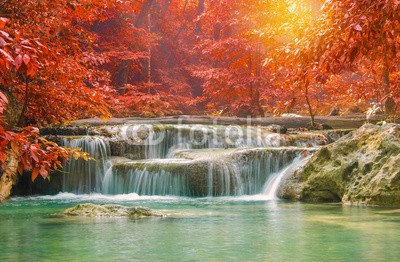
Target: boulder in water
x,y
110,210
361,168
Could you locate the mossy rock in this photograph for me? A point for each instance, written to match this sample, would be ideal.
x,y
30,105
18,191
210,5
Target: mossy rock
x,y
110,210
361,168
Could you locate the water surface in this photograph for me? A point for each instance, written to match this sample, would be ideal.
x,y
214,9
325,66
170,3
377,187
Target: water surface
x,y
251,228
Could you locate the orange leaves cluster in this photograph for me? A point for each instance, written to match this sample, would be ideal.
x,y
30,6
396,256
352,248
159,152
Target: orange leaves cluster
x,y
34,153
139,100
17,54
348,56
44,67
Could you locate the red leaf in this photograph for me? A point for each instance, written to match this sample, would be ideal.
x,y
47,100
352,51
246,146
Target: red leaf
x,y
43,172
3,66
357,27
26,58
34,154
2,42
3,98
35,173
18,62
3,157
3,22
7,55
31,69
20,168
17,34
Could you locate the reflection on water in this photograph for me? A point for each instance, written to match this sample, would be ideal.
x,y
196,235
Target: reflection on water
x,y
249,228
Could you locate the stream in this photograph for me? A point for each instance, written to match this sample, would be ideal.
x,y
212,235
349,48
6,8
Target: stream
x,y
217,186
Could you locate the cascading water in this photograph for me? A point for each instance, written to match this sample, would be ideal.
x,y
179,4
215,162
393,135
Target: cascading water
x,y
181,161
244,175
271,186
202,177
155,177
162,142
86,176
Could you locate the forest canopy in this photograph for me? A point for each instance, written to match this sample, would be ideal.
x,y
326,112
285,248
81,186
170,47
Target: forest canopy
x,y
63,60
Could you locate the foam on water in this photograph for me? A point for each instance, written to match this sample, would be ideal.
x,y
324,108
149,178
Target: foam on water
x,y
70,197
133,197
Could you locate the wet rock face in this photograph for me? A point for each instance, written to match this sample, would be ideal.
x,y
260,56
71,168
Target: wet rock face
x,y
110,210
361,168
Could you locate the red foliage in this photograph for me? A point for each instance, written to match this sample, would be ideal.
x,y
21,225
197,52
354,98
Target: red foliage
x,y
33,152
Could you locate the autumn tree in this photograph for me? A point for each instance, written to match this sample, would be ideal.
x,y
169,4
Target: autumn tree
x,y
364,34
348,55
236,38
45,78
23,149
68,84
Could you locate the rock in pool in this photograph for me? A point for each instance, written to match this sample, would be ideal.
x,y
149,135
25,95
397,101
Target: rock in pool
x,y
110,210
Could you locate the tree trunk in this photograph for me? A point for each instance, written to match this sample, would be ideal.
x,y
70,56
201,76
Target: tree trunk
x,y
140,20
258,72
200,10
258,104
9,177
309,108
386,77
165,7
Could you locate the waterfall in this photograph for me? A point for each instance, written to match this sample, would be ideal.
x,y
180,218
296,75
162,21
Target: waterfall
x,y
235,174
144,182
245,176
182,161
161,142
155,177
82,176
271,186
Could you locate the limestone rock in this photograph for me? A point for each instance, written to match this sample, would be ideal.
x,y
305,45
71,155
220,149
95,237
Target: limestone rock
x,y
110,210
361,168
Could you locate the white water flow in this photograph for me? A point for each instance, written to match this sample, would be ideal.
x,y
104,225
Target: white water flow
x,y
179,166
272,185
82,176
161,143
